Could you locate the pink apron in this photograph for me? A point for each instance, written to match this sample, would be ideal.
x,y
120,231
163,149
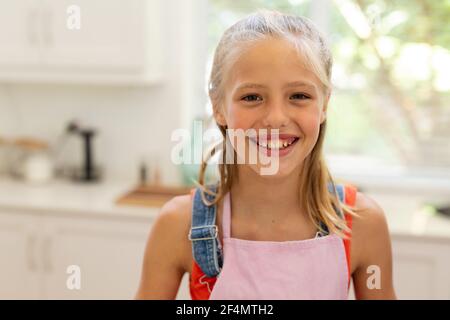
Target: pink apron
x,y
270,270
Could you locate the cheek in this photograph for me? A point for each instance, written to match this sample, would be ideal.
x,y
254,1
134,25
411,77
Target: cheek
x,y
309,123
312,123
239,118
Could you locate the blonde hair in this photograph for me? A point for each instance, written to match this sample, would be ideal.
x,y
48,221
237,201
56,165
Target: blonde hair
x,y
318,202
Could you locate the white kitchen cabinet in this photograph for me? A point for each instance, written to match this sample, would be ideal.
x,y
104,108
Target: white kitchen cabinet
x,y
20,276
421,267
18,35
36,250
118,42
107,253
111,35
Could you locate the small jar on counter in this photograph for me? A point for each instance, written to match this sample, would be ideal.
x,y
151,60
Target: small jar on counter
x,y
32,161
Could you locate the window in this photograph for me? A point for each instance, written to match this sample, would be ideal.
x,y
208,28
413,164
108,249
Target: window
x,y
390,107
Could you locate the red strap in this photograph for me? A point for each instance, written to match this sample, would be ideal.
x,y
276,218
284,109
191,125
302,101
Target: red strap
x,y
350,199
199,284
192,193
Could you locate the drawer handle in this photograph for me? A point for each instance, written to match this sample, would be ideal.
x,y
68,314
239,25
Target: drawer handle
x,y
31,253
47,247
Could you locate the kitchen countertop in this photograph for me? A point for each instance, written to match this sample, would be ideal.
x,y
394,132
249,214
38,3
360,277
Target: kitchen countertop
x,y
62,196
409,214
404,212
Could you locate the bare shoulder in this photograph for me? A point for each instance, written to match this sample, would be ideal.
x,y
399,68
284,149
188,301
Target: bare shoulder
x,y
371,248
165,253
370,216
370,232
172,225
176,210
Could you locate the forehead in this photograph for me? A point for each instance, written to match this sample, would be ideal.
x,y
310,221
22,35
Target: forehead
x,y
270,61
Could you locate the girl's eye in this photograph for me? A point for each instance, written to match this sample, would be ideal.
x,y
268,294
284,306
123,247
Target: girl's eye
x,y
300,96
252,98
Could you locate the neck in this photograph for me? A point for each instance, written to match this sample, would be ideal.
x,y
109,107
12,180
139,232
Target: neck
x,y
267,197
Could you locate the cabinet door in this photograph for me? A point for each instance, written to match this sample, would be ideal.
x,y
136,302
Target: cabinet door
x,y
111,34
19,33
106,255
19,256
421,268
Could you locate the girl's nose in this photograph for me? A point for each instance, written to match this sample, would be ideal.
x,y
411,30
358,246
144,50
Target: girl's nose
x,y
276,116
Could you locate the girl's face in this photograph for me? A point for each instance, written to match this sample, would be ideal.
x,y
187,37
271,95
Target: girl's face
x,y
269,88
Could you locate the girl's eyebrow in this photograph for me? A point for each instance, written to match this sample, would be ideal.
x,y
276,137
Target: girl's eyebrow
x,y
249,85
300,84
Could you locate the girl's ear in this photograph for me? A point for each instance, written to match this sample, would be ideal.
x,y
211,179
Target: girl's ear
x,y
323,115
218,116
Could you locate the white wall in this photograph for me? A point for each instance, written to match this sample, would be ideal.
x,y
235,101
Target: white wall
x,y
133,121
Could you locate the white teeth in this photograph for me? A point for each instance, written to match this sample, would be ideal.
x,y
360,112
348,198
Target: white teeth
x,y
277,144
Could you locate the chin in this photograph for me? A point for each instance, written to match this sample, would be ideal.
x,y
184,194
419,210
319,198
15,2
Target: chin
x,y
285,170
287,166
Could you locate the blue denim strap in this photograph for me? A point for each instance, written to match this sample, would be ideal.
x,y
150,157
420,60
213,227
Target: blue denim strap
x,y
339,191
203,235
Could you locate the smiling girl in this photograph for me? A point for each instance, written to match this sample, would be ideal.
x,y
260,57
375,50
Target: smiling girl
x,y
294,234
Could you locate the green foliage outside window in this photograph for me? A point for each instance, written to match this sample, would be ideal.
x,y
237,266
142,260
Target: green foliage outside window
x,y
391,74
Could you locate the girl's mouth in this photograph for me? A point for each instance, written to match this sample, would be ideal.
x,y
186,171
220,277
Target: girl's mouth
x,y
277,144
283,145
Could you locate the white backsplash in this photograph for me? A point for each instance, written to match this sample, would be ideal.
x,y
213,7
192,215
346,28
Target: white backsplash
x,y
133,122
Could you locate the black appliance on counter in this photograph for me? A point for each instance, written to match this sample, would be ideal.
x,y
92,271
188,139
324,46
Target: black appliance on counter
x,y
87,172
